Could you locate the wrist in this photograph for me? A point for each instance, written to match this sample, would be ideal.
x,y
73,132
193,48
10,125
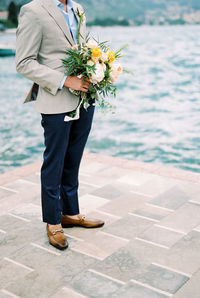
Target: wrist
x,y
67,81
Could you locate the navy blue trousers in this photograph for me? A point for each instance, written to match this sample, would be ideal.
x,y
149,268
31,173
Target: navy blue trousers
x,y
64,145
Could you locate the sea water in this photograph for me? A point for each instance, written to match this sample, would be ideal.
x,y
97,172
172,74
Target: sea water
x,y
157,117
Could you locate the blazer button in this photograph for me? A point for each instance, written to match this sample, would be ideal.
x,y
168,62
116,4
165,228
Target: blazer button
x,y
48,89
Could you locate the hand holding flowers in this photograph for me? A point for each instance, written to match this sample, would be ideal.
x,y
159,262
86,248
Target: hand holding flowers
x,y
76,83
97,67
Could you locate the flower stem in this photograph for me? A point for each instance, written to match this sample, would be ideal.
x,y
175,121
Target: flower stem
x,y
79,26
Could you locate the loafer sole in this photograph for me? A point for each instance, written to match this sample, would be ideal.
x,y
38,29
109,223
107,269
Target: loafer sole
x,y
79,225
58,246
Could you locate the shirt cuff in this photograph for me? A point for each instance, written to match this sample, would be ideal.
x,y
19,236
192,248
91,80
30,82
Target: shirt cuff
x,y
62,82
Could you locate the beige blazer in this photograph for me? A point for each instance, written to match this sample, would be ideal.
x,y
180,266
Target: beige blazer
x,y
42,40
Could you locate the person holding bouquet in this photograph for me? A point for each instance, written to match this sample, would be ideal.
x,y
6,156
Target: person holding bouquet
x,y
46,30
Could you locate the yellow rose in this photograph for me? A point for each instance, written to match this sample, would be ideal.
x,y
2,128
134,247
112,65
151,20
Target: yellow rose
x,y
96,52
111,56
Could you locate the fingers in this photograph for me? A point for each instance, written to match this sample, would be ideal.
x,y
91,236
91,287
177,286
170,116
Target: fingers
x,y
86,80
84,89
84,84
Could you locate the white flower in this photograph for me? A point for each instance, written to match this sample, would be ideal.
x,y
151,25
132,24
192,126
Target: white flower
x,y
104,57
116,70
90,62
81,14
98,75
103,66
92,44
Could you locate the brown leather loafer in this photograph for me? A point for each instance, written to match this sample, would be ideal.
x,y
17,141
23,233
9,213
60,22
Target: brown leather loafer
x,y
57,238
68,222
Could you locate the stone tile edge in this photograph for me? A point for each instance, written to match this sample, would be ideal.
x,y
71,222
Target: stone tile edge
x,y
155,169
20,172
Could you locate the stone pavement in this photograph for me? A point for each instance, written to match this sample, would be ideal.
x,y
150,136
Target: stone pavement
x,y
148,248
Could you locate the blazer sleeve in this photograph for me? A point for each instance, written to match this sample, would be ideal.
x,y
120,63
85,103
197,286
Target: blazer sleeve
x,y
28,42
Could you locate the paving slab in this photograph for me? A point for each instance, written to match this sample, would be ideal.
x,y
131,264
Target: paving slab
x,y
162,278
160,236
96,180
184,219
94,285
156,186
4,192
18,198
130,260
191,288
5,294
100,245
19,185
151,211
67,293
136,178
191,189
92,167
108,191
18,235
148,247
184,254
135,290
128,227
34,178
90,202
171,199
35,284
121,265
124,204
10,271
27,211
115,172
86,189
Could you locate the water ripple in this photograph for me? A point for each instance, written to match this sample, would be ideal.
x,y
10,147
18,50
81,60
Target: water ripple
x,y
157,116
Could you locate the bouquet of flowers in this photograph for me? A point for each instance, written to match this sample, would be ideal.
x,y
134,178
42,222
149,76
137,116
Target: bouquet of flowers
x,y
94,60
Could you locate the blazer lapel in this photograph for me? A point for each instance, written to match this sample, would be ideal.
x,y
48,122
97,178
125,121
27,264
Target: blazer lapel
x,y
55,13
